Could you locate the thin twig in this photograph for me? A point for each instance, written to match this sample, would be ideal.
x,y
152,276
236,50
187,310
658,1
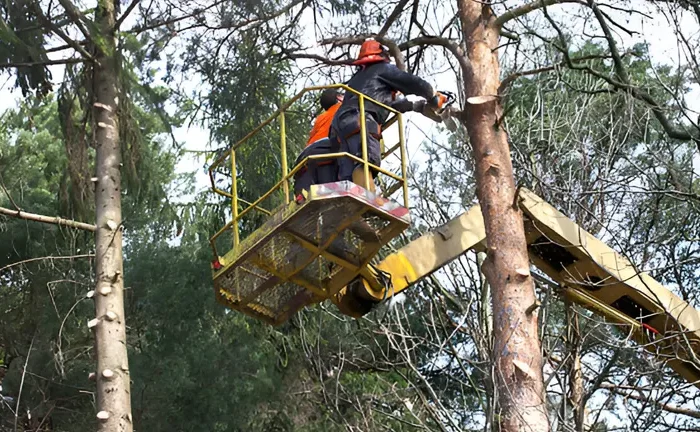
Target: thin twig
x,y
12,201
46,258
41,63
669,408
21,384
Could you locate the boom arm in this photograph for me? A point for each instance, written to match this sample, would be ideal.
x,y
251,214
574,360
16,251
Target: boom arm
x,y
589,272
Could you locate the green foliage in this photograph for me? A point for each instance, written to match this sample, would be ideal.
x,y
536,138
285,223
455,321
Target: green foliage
x,y
194,364
21,45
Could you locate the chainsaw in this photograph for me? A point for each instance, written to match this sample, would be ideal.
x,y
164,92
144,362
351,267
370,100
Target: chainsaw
x,y
441,114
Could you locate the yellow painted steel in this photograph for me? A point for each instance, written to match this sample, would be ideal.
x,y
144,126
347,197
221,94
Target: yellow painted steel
x,y
403,275
320,291
286,106
234,198
258,208
363,140
391,150
375,167
592,304
432,251
239,211
402,145
283,144
321,250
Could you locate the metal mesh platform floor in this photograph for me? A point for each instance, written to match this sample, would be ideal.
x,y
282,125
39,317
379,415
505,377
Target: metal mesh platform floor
x,y
306,252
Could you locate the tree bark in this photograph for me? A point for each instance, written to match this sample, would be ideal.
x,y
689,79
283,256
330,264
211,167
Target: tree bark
x,y
516,340
576,390
112,375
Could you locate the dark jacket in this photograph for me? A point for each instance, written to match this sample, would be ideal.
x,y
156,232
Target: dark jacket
x,y
380,81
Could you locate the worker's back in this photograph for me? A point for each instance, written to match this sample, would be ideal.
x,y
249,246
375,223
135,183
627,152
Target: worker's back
x,y
380,81
322,125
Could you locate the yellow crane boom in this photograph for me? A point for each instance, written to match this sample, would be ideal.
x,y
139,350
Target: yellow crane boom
x,y
588,271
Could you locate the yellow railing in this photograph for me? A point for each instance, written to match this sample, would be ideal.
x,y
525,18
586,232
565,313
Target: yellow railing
x,y
287,175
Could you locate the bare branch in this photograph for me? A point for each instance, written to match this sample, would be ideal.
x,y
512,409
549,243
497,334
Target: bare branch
x,y
669,408
237,25
76,16
395,52
156,24
126,13
392,17
318,58
509,35
45,21
69,257
530,7
2,185
21,384
47,219
623,82
451,46
512,77
42,63
620,69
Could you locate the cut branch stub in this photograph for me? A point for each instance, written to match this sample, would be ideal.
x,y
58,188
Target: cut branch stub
x,y
523,272
480,100
102,106
103,415
524,368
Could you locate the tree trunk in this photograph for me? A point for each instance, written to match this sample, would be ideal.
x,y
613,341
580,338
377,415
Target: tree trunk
x,y
576,390
112,375
516,341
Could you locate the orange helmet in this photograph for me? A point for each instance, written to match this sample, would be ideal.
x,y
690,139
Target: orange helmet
x,y
371,51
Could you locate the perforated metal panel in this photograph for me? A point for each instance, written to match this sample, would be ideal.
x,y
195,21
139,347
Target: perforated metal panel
x,y
306,252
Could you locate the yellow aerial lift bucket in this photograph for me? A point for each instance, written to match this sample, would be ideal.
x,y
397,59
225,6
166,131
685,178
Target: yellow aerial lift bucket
x,y
313,244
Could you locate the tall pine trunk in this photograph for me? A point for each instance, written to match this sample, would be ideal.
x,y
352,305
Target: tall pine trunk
x,y
112,375
516,341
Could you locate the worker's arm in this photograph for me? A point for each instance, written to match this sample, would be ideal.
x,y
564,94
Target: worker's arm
x,y
405,82
402,105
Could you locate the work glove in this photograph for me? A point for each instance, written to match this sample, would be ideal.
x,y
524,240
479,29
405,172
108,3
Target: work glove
x,y
424,108
419,105
402,105
437,101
